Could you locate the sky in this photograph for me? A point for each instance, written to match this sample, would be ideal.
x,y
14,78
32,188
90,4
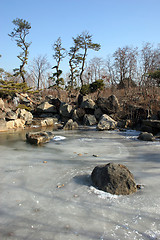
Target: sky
x,y
112,23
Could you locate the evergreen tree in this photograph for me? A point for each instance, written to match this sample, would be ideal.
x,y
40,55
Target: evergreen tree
x,y
19,33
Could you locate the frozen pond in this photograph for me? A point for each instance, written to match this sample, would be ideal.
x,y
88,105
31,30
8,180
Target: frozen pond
x,y
46,192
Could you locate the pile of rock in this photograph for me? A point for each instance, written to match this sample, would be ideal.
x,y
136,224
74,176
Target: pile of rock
x,y
13,119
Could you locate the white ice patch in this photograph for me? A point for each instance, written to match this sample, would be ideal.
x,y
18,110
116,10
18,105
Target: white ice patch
x,y
102,194
59,138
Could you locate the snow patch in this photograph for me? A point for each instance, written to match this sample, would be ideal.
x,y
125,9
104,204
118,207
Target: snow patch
x,y
59,138
102,194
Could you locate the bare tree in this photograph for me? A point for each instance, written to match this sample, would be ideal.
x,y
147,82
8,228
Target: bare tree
x,y
95,69
38,69
125,62
150,60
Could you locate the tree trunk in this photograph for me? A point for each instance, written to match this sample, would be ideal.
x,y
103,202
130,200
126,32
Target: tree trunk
x,y
82,69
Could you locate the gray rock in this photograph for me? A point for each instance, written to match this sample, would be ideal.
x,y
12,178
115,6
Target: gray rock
x,y
46,108
152,125
38,138
145,136
114,178
65,110
70,125
88,104
108,105
98,113
89,120
25,115
78,114
106,123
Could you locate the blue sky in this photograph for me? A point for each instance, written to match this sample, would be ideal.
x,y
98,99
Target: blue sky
x,y
113,24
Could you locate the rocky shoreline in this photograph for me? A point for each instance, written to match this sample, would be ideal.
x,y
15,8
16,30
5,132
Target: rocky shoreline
x,y
105,113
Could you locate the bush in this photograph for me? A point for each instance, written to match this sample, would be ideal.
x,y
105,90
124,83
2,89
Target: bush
x,y
98,84
93,87
11,87
85,89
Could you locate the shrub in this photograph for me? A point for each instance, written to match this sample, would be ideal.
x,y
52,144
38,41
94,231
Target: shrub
x,y
98,84
93,87
85,89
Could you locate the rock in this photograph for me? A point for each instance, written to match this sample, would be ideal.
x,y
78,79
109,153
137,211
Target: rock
x,y
88,104
82,98
3,126
78,114
145,136
2,115
13,124
23,98
98,113
1,104
25,115
108,105
124,123
89,120
38,138
46,108
19,123
65,110
114,178
46,122
152,125
11,115
54,101
106,123
70,125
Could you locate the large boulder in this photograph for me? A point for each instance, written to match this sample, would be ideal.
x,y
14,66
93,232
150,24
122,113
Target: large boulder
x,y
46,107
54,101
145,136
152,126
88,104
65,110
114,178
70,125
98,113
108,105
78,114
25,115
89,120
106,123
38,138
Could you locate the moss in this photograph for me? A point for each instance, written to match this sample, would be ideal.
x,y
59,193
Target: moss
x,y
23,106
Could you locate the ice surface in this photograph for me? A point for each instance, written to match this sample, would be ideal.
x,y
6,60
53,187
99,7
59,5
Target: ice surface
x,y
46,192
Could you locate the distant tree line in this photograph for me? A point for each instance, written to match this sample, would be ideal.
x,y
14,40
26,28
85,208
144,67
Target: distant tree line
x,y
126,67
